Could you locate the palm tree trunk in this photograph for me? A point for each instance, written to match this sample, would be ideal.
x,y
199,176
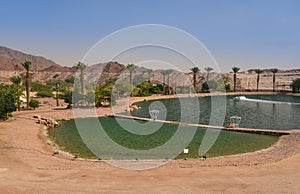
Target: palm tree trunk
x,y
27,88
18,99
169,88
164,85
234,82
57,102
194,76
131,83
130,78
83,85
175,88
274,79
257,83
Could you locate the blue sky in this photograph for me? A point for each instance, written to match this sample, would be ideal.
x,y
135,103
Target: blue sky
x,y
244,33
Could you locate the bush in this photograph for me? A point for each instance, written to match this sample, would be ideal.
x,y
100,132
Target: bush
x,y
34,104
296,85
44,94
210,85
70,80
38,87
7,100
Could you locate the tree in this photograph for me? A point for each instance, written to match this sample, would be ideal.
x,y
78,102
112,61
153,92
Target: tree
x,y
258,71
27,66
131,68
274,71
208,70
296,85
195,70
235,70
68,98
7,100
34,104
91,97
123,88
224,83
143,89
57,86
81,67
209,86
16,80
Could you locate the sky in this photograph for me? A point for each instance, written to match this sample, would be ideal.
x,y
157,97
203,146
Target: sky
x,y
243,33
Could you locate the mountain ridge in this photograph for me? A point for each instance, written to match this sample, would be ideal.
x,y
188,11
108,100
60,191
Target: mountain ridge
x,y
10,60
45,69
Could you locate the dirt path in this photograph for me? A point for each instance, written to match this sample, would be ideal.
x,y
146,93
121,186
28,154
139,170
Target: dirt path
x,y
26,165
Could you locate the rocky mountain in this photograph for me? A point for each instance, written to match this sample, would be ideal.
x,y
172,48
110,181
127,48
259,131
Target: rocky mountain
x,y
44,69
10,60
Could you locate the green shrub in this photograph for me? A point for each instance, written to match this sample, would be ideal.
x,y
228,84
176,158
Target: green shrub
x,y
44,94
34,104
37,87
7,100
70,80
296,85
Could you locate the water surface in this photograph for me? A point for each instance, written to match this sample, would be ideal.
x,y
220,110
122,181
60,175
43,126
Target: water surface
x,y
254,114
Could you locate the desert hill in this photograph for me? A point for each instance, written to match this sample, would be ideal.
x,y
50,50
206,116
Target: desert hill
x,y
44,69
10,60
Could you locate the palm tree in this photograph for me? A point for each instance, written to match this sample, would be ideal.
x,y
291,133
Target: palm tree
x,y
235,70
56,87
195,70
131,68
274,71
208,70
258,71
81,67
16,80
27,66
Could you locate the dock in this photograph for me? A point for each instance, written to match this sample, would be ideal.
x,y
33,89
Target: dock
x,y
245,130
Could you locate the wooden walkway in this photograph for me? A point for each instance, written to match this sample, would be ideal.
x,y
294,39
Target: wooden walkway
x,y
245,130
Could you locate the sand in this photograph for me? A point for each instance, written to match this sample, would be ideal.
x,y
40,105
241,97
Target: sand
x,y
27,166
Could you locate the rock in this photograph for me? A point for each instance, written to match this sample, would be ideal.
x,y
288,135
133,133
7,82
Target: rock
x,y
37,117
55,153
56,124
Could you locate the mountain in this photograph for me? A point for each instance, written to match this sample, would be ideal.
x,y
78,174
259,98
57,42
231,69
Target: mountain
x,y
44,69
10,60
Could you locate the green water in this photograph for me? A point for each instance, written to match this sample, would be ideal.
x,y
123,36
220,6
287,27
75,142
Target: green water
x,y
254,115
69,139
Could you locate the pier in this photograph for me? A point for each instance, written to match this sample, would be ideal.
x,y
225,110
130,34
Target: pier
x,y
245,130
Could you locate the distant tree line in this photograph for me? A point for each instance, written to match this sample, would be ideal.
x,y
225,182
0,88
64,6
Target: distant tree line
x,y
106,94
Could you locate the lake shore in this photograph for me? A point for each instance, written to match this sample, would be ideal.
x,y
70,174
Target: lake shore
x,y
27,165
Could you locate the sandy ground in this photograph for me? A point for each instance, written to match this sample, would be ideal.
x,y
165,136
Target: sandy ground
x,y
27,166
